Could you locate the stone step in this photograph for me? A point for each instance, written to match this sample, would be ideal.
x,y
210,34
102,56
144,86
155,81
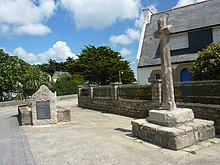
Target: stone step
x,y
174,138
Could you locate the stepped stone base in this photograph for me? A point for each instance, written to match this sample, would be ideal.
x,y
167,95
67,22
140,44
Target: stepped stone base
x,y
174,138
170,118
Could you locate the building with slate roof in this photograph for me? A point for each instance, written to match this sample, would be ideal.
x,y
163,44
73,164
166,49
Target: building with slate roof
x,y
195,27
57,74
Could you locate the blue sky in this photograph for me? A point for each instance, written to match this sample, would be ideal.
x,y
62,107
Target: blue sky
x,y
37,30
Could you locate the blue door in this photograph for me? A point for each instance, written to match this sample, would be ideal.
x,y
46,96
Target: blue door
x,y
185,75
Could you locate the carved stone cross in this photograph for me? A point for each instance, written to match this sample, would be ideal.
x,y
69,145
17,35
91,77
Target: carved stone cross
x,y
168,102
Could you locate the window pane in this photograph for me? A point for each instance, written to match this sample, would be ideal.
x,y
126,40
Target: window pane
x,y
179,41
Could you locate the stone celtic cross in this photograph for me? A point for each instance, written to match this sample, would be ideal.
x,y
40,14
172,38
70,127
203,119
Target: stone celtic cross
x,y
168,102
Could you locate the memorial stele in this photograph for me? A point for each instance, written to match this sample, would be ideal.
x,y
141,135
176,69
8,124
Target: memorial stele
x,y
44,107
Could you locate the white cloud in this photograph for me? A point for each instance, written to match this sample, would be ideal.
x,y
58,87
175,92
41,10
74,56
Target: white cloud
x,y
22,15
4,29
28,57
139,21
153,8
32,29
99,14
120,39
125,52
186,2
60,51
129,37
131,34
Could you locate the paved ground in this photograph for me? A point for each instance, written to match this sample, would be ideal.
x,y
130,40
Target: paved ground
x,y
14,148
95,138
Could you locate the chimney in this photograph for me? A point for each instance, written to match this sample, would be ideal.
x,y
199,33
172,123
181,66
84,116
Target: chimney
x,y
147,12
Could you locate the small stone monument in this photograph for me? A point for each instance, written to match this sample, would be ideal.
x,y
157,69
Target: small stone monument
x,y
44,107
171,127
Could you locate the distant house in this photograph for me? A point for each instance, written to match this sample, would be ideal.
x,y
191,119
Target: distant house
x,y
57,74
196,26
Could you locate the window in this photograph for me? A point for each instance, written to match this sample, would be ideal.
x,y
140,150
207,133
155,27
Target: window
x,y
179,41
216,34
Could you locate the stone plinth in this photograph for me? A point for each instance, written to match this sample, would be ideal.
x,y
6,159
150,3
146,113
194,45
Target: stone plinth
x,y
170,118
174,138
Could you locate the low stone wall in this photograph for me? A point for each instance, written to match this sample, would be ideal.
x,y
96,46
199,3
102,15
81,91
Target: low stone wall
x,y
23,102
130,108
24,115
65,97
140,109
13,103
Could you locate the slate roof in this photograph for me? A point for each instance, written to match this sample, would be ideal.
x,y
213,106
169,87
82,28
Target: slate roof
x,y
190,17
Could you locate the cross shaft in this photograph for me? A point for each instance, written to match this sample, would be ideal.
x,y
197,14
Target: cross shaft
x,y
168,101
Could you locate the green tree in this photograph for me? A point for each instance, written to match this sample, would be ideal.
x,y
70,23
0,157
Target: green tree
x,y
52,66
68,84
11,69
102,65
207,65
19,76
33,79
69,65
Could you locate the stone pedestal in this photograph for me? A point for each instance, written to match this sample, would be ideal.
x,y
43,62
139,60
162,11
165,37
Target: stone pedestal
x,y
170,118
173,129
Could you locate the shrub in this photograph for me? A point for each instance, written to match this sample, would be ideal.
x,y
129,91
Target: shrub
x,y
207,65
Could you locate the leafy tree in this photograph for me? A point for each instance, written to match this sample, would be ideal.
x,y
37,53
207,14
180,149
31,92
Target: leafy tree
x,y
18,76
102,65
207,65
68,84
11,69
33,79
69,65
52,66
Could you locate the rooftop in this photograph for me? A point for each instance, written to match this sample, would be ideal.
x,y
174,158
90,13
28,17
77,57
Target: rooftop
x,y
186,18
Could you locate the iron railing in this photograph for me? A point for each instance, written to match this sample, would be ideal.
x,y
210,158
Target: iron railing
x,y
135,92
84,92
205,92
102,92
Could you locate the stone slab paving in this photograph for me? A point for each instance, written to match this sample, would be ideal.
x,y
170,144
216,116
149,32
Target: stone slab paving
x,y
95,138
14,148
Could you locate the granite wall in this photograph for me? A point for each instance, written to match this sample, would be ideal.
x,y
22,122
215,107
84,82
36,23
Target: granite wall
x,y
130,108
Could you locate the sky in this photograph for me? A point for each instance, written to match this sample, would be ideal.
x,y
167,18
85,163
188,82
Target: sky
x,y
39,30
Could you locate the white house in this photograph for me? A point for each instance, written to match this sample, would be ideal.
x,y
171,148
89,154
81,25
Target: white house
x,y
196,26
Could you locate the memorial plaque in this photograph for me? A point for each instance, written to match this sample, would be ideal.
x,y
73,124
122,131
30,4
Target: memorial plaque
x,y
43,110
